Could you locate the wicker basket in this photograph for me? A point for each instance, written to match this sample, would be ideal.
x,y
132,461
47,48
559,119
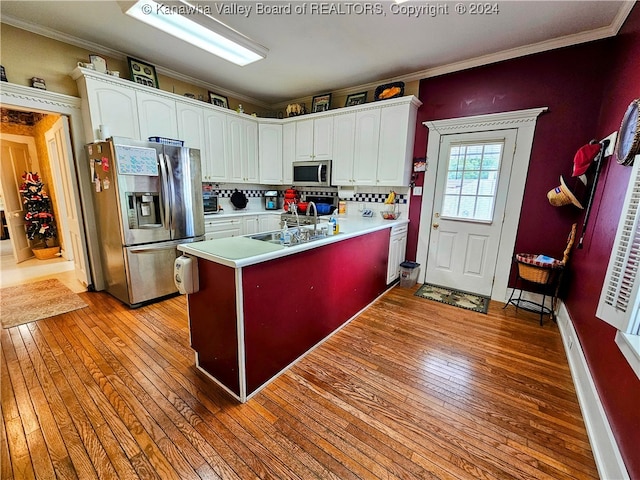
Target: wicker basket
x,y
533,271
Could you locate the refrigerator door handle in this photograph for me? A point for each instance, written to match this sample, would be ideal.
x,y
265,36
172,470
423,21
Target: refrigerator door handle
x,y
165,193
172,193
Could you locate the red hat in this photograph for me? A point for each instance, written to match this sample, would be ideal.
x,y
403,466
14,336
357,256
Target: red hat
x,y
584,157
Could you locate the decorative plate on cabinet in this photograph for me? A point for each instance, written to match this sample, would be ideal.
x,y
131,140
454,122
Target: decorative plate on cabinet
x,y
629,135
390,90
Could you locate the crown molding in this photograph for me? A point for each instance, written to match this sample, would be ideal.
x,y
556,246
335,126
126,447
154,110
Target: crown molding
x,y
36,99
109,52
566,41
489,121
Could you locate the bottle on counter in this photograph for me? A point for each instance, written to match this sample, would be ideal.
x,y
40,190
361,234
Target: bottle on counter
x,y
285,235
334,225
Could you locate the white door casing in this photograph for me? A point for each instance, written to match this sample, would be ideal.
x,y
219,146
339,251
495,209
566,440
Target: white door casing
x,y
69,223
16,159
27,98
524,121
463,247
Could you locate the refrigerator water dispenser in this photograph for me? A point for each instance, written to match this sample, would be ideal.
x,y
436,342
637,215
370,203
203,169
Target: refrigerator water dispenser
x,y
144,210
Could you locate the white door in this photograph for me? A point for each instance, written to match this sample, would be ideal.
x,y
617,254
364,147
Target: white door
x,y
14,162
64,178
472,183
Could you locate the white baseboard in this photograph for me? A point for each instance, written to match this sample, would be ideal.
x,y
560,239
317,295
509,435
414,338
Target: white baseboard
x,y
603,444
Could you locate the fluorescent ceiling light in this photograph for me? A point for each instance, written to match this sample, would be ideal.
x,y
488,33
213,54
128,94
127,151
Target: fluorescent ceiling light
x,y
190,23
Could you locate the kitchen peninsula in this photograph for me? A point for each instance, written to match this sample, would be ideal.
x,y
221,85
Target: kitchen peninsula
x,y
261,305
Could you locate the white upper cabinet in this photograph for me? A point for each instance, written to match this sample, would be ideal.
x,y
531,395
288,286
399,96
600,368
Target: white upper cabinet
x,y
370,144
395,154
270,153
288,152
242,153
111,105
157,116
344,134
365,154
314,139
355,148
191,125
215,127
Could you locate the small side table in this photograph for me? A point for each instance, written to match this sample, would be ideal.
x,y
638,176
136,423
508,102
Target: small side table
x,y
545,276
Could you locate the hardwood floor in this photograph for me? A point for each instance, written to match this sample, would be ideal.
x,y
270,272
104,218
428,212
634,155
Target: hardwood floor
x,y
410,389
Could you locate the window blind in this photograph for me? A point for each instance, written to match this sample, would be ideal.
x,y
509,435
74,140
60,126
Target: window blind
x,y
619,299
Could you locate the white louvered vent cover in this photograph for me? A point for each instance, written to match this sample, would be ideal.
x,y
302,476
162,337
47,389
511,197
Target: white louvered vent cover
x,y
619,298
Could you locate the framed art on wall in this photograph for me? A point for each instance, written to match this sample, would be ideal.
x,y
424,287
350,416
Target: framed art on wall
x,y
143,73
218,100
321,103
356,99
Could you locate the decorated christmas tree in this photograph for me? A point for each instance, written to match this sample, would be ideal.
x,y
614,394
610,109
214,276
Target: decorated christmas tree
x,y
40,224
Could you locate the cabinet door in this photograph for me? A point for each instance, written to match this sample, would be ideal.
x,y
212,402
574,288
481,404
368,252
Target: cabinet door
x,y
270,154
288,152
237,149
157,116
215,168
323,138
268,223
249,224
344,128
112,106
397,128
304,140
365,157
230,232
250,168
397,248
191,130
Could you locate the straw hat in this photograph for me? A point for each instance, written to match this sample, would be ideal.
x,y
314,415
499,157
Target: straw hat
x,y
561,195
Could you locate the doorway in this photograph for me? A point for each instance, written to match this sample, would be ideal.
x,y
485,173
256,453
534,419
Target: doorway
x,y
469,203
477,257
27,146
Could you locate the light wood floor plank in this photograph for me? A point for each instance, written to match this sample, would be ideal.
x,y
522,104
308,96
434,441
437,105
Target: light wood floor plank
x,y
411,389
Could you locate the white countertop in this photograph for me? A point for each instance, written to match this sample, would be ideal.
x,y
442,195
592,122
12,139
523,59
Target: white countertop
x,y
239,252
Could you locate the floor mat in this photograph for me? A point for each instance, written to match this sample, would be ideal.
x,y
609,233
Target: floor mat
x,y
35,301
457,298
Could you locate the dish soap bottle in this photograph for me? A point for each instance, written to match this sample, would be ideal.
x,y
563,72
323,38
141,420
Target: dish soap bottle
x,y
334,225
285,235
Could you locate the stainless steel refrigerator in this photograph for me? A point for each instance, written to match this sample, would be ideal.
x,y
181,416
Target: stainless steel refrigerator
x,y
147,199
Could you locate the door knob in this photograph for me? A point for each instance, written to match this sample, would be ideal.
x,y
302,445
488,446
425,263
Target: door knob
x,y
435,225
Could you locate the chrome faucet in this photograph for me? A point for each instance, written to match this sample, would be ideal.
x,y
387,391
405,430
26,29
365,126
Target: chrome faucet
x,y
315,216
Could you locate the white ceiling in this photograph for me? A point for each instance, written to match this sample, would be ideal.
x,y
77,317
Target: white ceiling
x,y
319,53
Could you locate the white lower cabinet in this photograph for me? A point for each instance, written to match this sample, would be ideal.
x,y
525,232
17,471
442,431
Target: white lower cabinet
x,y
222,228
240,225
397,248
249,224
268,223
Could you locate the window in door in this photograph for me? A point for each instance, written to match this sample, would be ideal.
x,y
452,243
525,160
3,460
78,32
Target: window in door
x,y
472,181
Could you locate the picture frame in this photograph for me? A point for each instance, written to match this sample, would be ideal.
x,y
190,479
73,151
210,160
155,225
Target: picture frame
x,y
218,100
321,103
142,73
356,99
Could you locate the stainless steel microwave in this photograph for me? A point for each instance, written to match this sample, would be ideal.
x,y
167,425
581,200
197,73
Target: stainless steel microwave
x,y
312,173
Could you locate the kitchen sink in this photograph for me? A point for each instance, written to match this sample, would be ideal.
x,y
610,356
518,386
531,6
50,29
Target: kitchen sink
x,y
298,236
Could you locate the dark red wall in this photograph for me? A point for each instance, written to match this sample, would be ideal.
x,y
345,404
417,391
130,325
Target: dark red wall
x,y
617,385
563,80
587,89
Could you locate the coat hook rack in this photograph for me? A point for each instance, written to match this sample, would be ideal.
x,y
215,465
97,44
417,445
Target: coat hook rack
x,y
603,147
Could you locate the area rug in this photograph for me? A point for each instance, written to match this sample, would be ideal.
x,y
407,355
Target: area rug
x,y
35,301
457,298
